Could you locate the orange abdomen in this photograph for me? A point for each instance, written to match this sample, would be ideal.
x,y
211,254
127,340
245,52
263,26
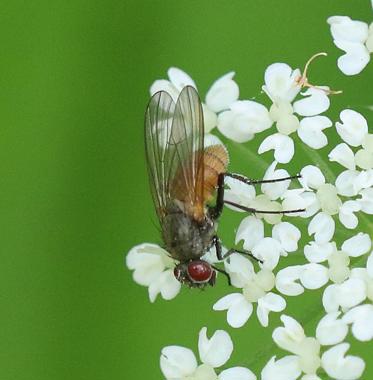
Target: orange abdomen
x,y
200,190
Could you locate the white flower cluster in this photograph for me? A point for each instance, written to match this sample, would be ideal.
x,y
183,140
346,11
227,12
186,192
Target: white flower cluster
x,y
306,358
334,205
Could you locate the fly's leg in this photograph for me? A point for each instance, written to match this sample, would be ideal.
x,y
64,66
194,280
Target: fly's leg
x,y
260,181
216,242
222,271
216,211
242,252
255,211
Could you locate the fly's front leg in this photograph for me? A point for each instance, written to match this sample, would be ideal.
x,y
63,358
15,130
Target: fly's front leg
x,y
216,242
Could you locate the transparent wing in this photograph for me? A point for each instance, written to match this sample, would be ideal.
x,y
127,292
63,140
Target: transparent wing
x,y
174,149
158,123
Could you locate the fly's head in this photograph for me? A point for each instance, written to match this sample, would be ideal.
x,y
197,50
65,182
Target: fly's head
x,y
195,274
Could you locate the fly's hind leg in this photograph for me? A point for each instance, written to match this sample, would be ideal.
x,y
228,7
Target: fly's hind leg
x,y
216,211
249,181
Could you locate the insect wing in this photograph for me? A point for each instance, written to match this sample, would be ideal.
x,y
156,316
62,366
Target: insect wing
x,y
174,148
158,123
187,137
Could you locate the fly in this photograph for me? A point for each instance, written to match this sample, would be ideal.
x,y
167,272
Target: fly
x,y
184,178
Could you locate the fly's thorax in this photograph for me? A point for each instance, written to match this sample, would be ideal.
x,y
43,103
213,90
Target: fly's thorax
x,y
184,237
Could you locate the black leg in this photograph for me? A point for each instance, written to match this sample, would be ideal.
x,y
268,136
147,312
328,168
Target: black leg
x,y
241,252
216,242
222,271
255,211
260,181
216,211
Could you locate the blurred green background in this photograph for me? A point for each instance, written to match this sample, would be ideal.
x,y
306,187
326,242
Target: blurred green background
x,y
74,199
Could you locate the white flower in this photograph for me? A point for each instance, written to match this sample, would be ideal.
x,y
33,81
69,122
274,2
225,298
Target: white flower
x,y
361,318
255,289
153,268
346,295
353,127
243,119
291,337
341,367
180,363
281,86
355,39
331,330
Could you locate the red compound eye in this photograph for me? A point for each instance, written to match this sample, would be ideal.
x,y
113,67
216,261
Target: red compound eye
x,y
199,271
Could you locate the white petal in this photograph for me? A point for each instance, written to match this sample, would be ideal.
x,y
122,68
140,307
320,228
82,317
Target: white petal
x,y
361,318
353,128
177,362
166,284
211,139
275,190
345,183
272,302
148,261
290,336
282,145
356,57
286,368
180,78
280,82
227,301
268,250
251,231
366,201
210,119
317,253
237,373
239,313
314,276
351,292
344,155
312,177
330,298
342,367
316,102
323,226
165,85
288,235
347,216
310,131
286,280
295,201
357,245
217,350
240,269
345,29
331,330
234,126
223,92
